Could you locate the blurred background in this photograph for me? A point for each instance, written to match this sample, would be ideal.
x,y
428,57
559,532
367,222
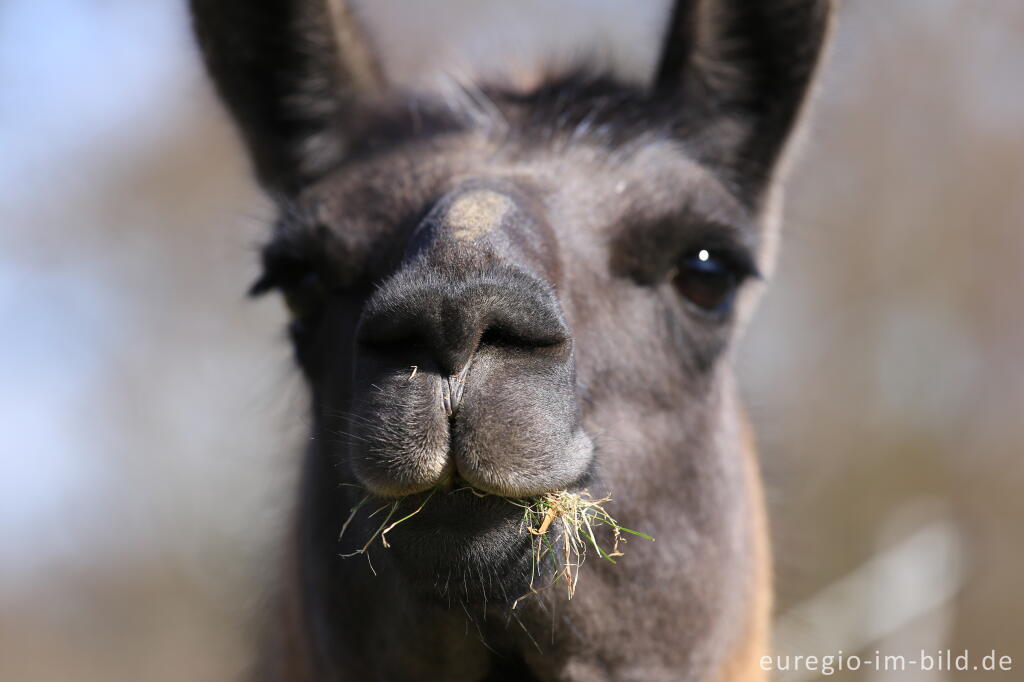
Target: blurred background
x,y
150,420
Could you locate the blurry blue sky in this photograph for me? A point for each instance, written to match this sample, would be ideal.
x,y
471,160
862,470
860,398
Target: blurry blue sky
x,y
77,79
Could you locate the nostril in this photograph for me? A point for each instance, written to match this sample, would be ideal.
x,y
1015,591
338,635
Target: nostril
x,y
391,333
395,344
502,336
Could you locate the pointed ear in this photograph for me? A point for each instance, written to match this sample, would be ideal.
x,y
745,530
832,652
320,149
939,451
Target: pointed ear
x,y
745,62
291,73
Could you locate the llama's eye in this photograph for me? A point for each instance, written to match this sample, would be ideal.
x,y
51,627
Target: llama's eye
x,y
708,280
305,296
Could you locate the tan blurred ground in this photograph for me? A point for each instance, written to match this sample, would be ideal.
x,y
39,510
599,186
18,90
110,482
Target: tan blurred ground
x,y
149,417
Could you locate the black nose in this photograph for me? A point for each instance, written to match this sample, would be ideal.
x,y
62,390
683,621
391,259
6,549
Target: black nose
x,y
449,317
494,399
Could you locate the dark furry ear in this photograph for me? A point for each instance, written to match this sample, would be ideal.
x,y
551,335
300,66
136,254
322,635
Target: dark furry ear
x,y
291,73
749,60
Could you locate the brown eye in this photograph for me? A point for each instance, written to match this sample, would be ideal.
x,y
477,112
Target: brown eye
x,y
708,281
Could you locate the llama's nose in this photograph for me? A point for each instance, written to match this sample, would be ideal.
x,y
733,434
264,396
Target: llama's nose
x,y
473,310
447,318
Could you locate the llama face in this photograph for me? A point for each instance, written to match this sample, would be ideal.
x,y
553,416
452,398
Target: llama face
x,y
503,308
519,294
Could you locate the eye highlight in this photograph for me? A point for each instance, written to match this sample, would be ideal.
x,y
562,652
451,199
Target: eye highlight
x,y
709,278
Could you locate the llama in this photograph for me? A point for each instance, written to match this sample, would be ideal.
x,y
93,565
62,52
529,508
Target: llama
x,y
522,293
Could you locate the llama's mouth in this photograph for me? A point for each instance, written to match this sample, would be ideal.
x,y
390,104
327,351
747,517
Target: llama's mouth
x,y
452,542
461,544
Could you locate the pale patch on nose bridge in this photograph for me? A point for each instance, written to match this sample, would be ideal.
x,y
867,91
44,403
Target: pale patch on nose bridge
x,y
477,213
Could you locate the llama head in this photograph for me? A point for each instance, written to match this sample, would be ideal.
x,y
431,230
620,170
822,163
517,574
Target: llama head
x,y
525,292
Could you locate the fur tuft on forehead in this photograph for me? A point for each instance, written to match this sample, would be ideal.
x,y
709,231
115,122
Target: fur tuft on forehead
x,y
579,107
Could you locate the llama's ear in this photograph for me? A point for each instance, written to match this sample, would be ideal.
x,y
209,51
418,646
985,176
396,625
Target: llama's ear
x,y
748,62
291,72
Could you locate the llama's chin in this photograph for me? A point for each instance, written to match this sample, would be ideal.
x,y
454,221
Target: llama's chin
x,y
461,547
